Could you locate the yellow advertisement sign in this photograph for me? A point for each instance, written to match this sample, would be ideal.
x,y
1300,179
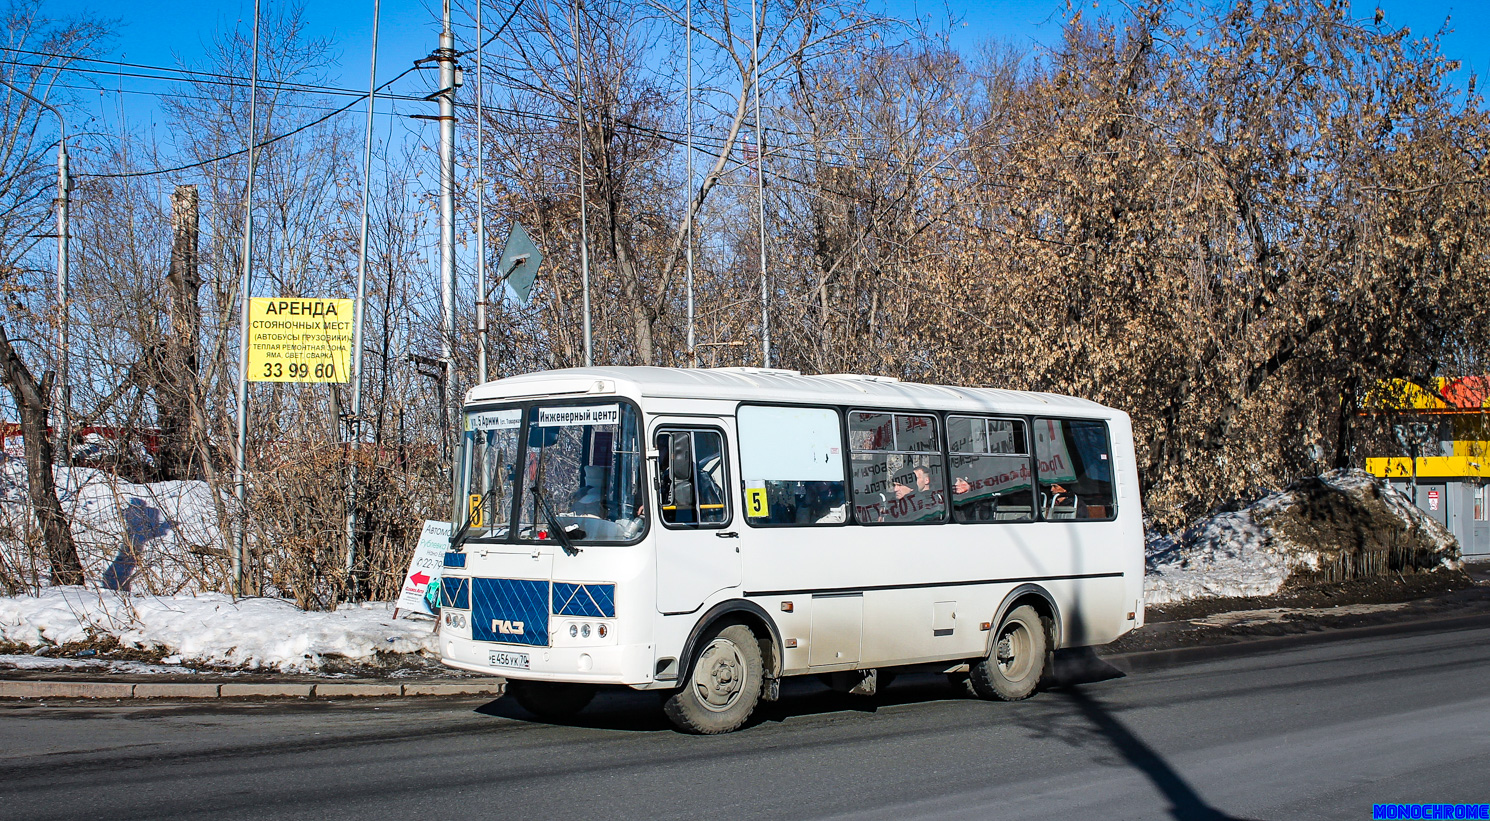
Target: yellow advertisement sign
x,y
299,340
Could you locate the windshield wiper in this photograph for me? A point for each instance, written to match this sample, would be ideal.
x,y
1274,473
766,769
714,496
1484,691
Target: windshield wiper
x,y
455,540
560,532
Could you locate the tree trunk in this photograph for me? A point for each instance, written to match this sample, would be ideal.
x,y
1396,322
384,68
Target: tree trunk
x,y
176,385
33,405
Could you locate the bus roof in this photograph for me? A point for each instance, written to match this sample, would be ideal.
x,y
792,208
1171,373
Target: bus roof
x,y
783,386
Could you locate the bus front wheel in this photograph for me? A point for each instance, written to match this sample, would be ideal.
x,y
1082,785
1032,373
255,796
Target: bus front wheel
x,y
550,700
723,686
1014,666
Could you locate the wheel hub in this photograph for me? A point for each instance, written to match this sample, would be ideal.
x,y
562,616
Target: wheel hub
x,y
1011,651
720,678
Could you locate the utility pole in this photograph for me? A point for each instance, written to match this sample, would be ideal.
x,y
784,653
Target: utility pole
x,y
760,181
584,221
245,290
480,208
449,80
64,188
688,52
360,316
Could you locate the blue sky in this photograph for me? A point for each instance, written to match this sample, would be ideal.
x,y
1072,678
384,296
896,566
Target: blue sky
x,y
165,32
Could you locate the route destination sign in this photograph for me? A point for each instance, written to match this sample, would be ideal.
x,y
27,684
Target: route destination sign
x,y
299,340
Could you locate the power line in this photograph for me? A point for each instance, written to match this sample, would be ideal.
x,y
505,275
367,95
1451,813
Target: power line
x,y
675,137
269,141
208,78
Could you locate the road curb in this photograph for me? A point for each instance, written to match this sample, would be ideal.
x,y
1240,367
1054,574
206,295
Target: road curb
x,y
236,690
66,689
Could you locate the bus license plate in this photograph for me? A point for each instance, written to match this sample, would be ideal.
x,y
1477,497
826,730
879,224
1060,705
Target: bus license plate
x,y
498,658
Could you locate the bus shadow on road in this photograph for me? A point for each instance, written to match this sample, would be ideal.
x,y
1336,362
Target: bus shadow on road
x,y
633,711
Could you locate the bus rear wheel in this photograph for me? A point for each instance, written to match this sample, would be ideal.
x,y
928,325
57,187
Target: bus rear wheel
x,y
551,700
723,686
1014,666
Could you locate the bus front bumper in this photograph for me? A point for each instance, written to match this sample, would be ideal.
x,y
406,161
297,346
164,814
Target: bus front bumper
x,y
625,664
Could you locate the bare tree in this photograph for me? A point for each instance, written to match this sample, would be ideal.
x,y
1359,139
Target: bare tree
x,y
25,184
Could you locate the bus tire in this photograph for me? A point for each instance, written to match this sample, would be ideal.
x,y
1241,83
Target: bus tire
x,y
551,700
1015,664
724,683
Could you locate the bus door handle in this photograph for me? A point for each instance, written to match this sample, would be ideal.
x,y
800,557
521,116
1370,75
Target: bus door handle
x,y
727,534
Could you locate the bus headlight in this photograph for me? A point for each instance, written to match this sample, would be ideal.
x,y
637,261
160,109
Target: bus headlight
x,y
585,631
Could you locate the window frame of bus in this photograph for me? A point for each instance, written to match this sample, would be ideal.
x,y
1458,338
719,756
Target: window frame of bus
x,y
940,451
1112,514
729,509
848,517
1034,464
466,468
527,404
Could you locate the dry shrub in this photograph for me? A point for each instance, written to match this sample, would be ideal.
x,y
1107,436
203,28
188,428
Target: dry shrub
x,y
297,518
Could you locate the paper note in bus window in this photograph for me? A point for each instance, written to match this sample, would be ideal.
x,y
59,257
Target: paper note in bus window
x,y
489,469
990,467
896,468
791,465
1074,469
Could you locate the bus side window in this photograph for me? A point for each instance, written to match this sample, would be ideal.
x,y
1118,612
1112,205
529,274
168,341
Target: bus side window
x,y
791,466
691,479
897,468
990,469
1074,469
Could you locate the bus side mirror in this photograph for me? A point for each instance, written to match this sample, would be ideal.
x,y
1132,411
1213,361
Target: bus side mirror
x,y
680,467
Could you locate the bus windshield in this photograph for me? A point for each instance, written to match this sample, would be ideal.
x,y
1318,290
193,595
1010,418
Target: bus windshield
x,y
488,466
586,461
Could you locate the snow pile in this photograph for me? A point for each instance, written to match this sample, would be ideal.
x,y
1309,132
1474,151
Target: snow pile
x,y
162,538
213,630
1342,525
129,668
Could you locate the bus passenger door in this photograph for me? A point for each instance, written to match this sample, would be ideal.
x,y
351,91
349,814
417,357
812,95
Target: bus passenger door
x,y
698,541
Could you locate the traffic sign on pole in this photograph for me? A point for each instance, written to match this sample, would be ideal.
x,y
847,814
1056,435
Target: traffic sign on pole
x,y
520,261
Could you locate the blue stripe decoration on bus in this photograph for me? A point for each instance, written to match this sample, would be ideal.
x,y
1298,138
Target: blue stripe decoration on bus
x,y
592,600
455,592
512,611
455,560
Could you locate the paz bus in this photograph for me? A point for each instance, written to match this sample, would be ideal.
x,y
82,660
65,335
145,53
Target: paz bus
x,y
706,533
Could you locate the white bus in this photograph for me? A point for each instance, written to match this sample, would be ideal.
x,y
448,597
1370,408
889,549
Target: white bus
x,y
708,532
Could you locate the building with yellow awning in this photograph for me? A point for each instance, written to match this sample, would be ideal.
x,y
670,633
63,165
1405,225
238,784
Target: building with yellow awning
x,y
1443,432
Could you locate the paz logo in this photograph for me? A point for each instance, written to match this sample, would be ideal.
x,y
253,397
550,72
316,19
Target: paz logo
x,y
510,628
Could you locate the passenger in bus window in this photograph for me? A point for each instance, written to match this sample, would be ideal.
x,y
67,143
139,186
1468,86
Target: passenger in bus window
x,y
922,501
821,503
1063,504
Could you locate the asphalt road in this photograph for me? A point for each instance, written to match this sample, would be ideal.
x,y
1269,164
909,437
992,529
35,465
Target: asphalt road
x,y
1318,731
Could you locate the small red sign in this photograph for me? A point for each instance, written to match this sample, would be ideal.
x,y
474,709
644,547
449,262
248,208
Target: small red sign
x,y
1432,500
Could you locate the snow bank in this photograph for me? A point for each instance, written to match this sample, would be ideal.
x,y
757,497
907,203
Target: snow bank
x,y
1345,524
211,629
166,534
